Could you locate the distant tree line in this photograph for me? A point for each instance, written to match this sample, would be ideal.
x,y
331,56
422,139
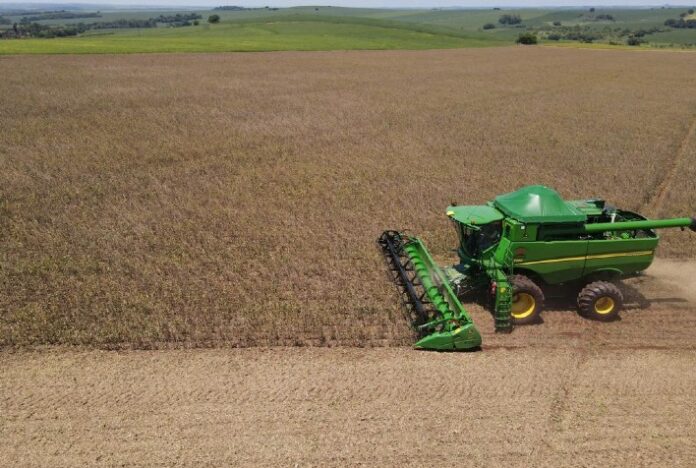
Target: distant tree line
x,y
634,37
43,30
591,16
178,18
29,12
588,34
580,36
640,32
604,17
124,24
62,14
241,8
682,22
230,8
34,29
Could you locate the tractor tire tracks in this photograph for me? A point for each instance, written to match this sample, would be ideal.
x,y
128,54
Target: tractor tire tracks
x,y
658,197
347,407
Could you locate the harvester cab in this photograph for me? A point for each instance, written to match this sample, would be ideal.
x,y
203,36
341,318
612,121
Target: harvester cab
x,y
516,249
478,227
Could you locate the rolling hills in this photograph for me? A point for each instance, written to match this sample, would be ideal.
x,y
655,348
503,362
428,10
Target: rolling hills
x,y
332,28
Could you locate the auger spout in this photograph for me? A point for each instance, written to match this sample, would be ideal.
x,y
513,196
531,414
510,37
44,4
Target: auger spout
x,y
642,224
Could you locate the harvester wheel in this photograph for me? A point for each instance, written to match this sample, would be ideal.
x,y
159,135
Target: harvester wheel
x,y
527,300
600,301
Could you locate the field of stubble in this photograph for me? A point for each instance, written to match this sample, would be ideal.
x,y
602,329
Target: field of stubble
x,y
235,199
568,392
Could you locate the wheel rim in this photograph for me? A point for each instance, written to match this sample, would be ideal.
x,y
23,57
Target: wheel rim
x,y
523,305
604,305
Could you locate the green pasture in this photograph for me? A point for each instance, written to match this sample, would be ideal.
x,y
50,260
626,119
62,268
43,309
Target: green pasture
x,y
334,28
245,36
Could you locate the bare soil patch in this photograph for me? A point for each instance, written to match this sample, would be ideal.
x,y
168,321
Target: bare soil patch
x,y
569,402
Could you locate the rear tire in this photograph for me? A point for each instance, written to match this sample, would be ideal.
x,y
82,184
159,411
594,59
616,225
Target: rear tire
x,y
527,300
600,301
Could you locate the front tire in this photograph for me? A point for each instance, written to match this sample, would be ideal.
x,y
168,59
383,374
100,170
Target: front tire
x,y
600,301
527,300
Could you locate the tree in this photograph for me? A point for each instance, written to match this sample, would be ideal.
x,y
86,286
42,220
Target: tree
x,y
634,41
606,17
680,23
591,10
510,19
213,19
527,38
489,26
556,23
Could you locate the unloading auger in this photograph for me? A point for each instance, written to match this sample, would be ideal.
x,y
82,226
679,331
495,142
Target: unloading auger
x,y
519,249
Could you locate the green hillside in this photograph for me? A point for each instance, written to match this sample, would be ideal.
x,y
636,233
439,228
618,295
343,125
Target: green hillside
x,y
333,28
287,34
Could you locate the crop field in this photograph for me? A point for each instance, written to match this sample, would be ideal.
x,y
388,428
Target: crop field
x,y
155,203
235,199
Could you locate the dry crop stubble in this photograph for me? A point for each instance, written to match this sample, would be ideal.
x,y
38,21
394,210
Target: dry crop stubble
x,y
677,193
556,405
234,199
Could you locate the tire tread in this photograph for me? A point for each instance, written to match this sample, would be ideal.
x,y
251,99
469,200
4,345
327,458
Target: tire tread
x,y
593,291
526,284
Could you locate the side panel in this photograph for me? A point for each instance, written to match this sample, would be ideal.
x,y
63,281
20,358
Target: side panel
x,y
627,255
555,261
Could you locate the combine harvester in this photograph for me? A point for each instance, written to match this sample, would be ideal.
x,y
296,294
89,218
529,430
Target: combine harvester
x,y
513,250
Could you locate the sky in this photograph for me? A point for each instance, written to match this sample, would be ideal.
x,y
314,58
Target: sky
x,y
371,3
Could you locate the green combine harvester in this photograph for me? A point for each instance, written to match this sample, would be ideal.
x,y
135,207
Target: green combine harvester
x,y
516,249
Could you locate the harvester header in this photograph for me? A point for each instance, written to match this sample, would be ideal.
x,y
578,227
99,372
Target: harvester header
x,y
515,251
440,320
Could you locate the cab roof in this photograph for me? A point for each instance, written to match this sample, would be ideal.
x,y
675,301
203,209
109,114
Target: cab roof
x,y
538,204
482,214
